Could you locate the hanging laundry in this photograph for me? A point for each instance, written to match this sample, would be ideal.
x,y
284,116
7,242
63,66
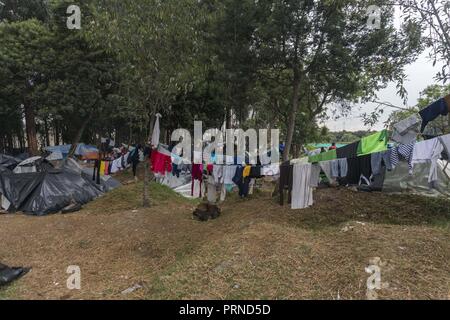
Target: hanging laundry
x,y
270,170
326,168
302,192
161,163
412,122
218,173
359,169
246,171
380,159
339,168
406,131
242,182
256,172
445,140
348,151
428,151
436,109
102,168
156,131
402,152
374,143
315,175
447,101
286,181
197,177
228,174
326,156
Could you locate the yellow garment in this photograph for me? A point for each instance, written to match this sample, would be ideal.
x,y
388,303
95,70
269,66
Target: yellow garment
x,y
246,172
102,168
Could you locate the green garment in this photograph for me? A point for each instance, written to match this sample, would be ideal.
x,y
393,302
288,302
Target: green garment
x,y
326,156
372,144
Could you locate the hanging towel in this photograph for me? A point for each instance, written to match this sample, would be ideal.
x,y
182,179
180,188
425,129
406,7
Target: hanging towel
x,y
404,126
406,131
379,159
374,143
436,109
286,180
218,173
102,168
156,131
326,168
302,193
428,151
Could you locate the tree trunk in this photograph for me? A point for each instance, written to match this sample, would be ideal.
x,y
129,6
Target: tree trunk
x,y
146,196
81,130
30,124
292,116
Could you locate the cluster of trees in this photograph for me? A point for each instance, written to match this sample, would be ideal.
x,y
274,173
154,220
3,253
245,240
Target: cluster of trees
x,y
245,63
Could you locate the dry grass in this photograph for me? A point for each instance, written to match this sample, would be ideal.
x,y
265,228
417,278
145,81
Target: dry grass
x,y
255,250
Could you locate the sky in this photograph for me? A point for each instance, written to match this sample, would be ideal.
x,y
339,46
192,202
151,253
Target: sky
x,y
419,75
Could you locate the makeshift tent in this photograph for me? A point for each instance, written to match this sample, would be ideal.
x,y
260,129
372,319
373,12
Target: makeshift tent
x,y
8,162
400,180
46,192
34,164
83,150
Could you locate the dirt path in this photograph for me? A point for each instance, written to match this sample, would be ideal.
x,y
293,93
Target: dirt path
x,y
256,249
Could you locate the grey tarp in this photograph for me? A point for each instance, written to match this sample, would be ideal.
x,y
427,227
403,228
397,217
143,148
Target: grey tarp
x,y
399,180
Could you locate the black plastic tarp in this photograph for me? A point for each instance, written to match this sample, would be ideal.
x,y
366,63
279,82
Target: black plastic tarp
x,y
8,162
46,192
8,275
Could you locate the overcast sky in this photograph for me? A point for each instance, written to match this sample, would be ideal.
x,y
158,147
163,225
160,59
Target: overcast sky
x,y
420,75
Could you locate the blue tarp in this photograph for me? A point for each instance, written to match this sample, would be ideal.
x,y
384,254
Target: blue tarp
x,y
82,149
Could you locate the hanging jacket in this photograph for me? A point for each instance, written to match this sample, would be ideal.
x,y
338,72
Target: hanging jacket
x,y
436,109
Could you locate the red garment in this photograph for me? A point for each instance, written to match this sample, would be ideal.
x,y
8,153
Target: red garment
x,y
197,174
161,163
106,172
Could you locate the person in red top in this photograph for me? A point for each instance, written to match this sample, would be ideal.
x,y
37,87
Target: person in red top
x,y
333,146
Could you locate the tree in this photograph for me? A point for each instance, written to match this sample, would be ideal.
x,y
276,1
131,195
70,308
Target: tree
x,y
155,42
328,53
24,61
433,18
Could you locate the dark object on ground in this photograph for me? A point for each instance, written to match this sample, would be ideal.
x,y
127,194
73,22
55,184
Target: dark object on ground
x,y
8,275
206,211
72,208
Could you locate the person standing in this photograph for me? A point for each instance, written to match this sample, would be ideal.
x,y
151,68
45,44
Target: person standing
x,y
134,160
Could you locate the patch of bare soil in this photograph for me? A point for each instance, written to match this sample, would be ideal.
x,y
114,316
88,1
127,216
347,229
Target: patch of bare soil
x,y
255,250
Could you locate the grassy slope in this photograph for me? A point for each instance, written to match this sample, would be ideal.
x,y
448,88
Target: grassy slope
x,y
256,249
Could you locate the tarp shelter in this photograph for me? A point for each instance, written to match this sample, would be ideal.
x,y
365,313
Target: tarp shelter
x,y
83,150
8,162
45,192
34,164
400,180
